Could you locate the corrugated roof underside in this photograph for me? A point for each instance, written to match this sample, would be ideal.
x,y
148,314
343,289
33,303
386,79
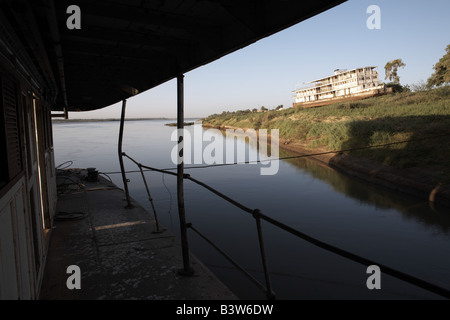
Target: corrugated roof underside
x,y
126,47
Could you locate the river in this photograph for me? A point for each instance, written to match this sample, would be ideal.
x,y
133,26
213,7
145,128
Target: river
x,y
388,227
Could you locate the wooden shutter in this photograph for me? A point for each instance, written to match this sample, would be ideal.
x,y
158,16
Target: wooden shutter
x,y
12,132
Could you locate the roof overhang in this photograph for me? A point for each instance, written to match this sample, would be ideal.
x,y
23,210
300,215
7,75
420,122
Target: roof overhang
x,y
125,47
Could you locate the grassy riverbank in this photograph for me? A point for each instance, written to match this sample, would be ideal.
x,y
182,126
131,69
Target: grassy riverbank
x,y
412,118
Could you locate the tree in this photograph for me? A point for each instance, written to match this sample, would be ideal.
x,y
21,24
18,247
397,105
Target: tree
x,y
419,86
441,73
391,69
263,108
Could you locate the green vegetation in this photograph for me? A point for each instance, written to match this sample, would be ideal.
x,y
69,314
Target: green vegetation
x,y
441,73
397,117
174,124
391,70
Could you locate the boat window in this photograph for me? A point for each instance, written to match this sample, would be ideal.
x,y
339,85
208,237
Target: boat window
x,y
10,147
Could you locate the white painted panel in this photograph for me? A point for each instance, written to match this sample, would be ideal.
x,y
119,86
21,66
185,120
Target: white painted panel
x,y
24,247
51,182
39,224
18,278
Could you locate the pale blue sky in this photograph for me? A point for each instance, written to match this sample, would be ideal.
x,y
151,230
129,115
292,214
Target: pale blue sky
x,y
266,72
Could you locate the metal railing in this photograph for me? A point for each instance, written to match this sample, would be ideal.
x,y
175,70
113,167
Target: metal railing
x,y
259,216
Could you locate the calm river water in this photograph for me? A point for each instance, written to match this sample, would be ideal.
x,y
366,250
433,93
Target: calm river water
x,y
391,228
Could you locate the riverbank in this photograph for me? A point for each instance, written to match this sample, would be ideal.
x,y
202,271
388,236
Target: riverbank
x,y
398,141
415,181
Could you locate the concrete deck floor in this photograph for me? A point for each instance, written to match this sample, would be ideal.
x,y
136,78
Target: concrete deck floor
x,y
119,255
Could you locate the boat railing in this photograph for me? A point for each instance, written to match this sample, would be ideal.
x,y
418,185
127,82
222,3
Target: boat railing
x,y
259,217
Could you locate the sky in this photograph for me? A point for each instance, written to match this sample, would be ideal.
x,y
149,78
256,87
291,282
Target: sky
x,y
266,72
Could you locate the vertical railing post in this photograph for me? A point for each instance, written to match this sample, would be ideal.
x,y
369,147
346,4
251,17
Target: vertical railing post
x,y
122,167
150,199
270,294
186,271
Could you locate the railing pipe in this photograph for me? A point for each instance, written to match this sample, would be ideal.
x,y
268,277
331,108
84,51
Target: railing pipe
x,y
150,199
147,167
122,167
234,263
367,262
257,215
237,204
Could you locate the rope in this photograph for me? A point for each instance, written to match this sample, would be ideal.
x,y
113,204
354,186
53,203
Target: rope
x,y
70,162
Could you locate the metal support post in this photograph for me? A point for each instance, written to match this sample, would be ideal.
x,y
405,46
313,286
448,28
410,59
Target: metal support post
x,y
186,271
122,167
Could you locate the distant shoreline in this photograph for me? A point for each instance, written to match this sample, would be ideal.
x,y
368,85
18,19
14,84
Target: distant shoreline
x,y
174,124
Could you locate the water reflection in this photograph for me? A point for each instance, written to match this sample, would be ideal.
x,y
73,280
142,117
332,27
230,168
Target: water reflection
x,y
424,212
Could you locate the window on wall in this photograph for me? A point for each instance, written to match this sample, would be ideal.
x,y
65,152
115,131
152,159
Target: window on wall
x,y
11,156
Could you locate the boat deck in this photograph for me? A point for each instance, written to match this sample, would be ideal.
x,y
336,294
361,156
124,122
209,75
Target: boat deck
x,y
118,253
